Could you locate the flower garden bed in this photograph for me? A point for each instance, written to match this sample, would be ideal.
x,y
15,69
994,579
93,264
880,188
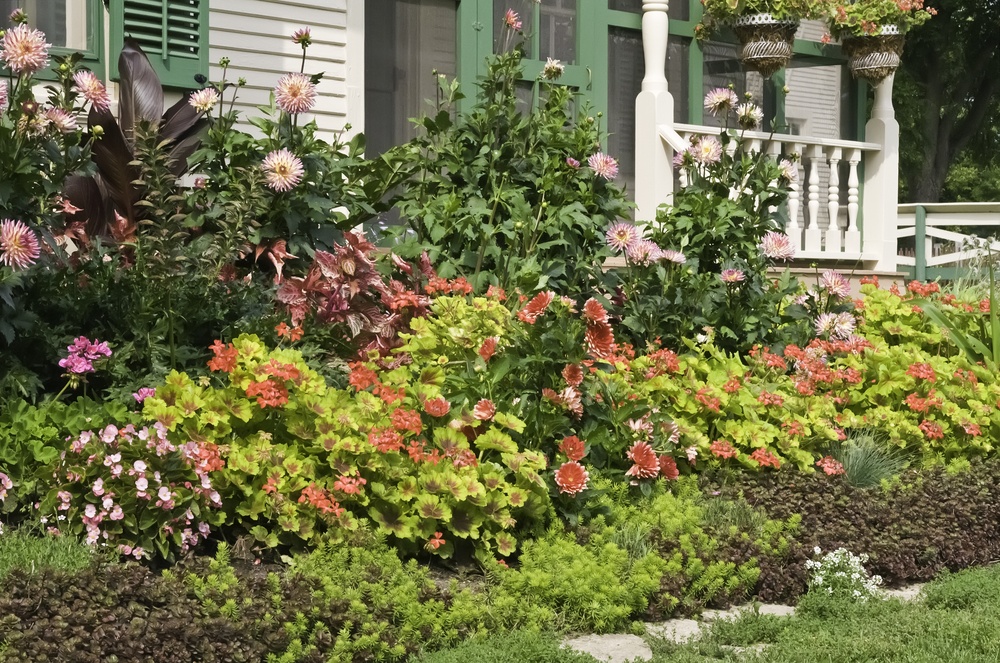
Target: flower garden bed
x,y
231,429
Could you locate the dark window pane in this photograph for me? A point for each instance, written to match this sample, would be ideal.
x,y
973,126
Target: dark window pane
x,y
416,38
679,10
503,36
557,30
64,22
626,70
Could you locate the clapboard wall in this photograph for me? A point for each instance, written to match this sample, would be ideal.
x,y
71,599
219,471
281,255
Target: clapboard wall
x,y
256,37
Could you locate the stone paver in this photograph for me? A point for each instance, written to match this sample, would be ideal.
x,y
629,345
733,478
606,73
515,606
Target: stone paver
x,y
910,593
676,630
613,648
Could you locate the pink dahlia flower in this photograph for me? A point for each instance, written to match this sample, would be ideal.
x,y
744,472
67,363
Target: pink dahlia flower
x,y
19,248
283,170
25,50
92,89
295,93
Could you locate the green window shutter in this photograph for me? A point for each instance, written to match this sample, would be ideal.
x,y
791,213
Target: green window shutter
x,y
173,34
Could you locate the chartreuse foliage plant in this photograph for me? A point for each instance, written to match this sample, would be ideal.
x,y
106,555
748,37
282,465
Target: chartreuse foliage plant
x,y
305,461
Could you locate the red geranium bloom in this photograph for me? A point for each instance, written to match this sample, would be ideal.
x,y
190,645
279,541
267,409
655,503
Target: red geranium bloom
x,y
498,293
932,430
361,376
972,429
668,467
830,465
722,449
269,393
225,357
405,420
488,347
536,307
922,371
484,410
437,407
573,447
766,458
573,375
572,478
435,541
594,312
645,463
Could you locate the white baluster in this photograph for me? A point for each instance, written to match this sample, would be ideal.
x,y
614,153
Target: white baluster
x,y
794,230
852,238
814,235
833,242
773,152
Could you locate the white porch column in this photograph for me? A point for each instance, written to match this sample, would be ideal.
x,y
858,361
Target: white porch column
x,y
881,197
653,107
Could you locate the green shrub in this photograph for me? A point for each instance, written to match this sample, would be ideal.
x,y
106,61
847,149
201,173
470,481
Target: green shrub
x,y
499,196
593,587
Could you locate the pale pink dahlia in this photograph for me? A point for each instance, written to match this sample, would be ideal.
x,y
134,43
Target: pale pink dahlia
x,y
835,283
707,150
25,50
204,100
750,116
61,120
670,255
622,236
603,165
302,36
92,89
789,171
295,93
732,276
777,246
721,100
512,20
283,170
643,252
837,325
19,247
553,69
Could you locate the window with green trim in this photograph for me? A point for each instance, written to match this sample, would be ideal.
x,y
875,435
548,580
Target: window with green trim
x,y
173,34
69,25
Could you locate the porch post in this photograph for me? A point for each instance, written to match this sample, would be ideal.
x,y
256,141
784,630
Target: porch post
x,y
653,107
881,183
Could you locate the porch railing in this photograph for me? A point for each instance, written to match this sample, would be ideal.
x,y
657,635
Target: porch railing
x,y
824,204
938,249
825,224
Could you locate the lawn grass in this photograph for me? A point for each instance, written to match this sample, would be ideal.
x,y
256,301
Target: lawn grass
x,y
956,622
27,550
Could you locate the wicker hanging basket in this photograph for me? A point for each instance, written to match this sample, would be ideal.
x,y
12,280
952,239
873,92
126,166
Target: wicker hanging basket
x,y
874,57
766,42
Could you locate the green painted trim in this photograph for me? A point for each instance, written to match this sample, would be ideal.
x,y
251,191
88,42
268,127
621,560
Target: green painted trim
x,y
696,69
778,99
594,29
173,72
920,243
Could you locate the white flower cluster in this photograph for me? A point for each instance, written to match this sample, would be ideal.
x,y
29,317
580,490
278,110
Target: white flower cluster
x,y
843,573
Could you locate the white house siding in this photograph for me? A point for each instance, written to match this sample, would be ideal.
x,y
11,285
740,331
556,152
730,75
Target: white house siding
x,y
256,37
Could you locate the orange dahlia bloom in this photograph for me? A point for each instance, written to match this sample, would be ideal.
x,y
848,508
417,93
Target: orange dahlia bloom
x,y
572,478
645,463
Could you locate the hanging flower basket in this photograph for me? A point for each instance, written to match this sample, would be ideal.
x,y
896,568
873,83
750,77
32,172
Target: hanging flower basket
x,y
766,42
874,57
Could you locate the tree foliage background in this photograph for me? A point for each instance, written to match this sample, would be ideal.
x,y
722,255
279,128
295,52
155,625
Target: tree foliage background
x,y
947,96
